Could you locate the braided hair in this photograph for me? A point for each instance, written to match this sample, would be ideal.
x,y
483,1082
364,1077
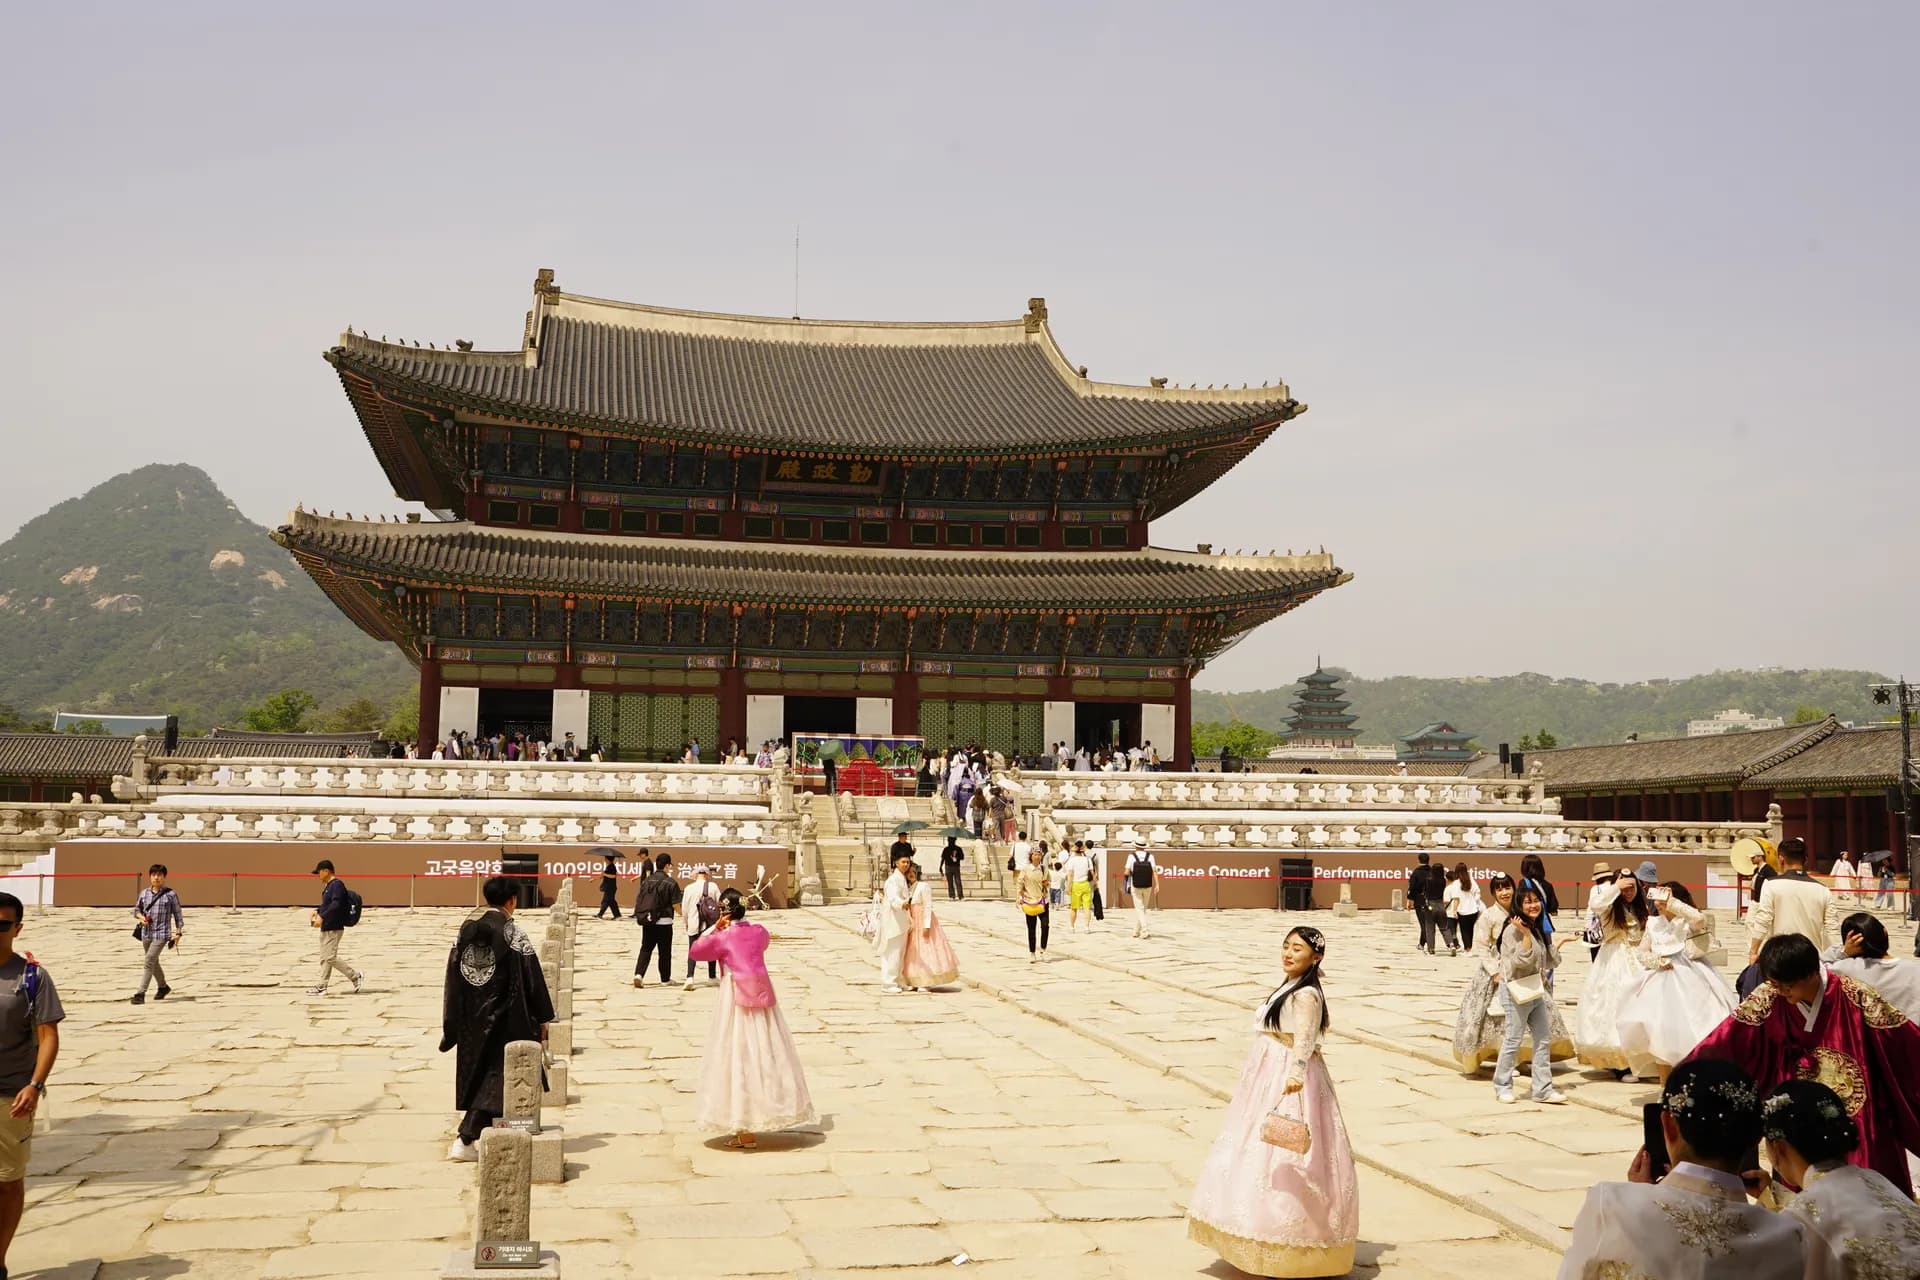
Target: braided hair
x,y
1317,943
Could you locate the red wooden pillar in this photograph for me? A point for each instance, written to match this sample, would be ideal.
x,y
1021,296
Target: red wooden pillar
x,y
1853,841
733,706
1183,725
906,704
429,730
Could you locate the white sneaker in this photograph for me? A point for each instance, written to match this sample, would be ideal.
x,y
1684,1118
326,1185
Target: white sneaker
x,y
890,990
1031,957
358,978
1552,1099
465,1152
688,985
1504,1096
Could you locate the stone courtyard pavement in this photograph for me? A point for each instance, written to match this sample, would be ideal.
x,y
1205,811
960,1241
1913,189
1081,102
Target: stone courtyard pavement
x,y
1041,1119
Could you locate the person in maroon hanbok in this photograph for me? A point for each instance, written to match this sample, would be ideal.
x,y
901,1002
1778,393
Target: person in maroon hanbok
x,y
1806,1023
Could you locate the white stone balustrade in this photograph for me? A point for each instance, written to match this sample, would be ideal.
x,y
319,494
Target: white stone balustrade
x,y
494,822
1549,832
446,779
1201,791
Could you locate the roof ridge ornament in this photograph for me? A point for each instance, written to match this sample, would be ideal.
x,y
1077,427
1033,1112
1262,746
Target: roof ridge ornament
x,y
1036,314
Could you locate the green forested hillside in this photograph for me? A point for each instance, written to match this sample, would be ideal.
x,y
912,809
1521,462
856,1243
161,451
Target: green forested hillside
x,y
1577,712
152,593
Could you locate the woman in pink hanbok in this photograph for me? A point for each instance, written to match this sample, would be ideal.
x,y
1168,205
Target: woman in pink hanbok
x,y
751,1080
1265,1208
928,960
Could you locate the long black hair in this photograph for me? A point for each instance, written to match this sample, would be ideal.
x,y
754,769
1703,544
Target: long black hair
x,y
1538,928
1317,942
1622,908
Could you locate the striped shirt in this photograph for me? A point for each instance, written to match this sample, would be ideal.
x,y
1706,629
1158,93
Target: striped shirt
x,y
161,907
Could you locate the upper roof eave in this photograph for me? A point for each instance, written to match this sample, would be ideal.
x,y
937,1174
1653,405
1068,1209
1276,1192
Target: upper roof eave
x,y
957,400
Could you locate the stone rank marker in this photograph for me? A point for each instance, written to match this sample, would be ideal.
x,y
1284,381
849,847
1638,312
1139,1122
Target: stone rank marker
x,y
520,1099
503,1214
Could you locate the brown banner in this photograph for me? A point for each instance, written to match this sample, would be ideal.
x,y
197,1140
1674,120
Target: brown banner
x,y
219,873
1196,878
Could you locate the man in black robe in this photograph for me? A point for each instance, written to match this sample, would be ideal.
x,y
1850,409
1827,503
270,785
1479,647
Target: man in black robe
x,y
495,994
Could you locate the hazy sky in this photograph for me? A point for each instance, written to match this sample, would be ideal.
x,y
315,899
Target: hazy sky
x,y
1607,314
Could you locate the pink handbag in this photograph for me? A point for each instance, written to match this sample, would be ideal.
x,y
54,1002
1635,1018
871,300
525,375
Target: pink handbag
x,y
1290,1133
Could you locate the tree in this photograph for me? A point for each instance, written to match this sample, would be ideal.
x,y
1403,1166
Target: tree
x,y
87,729
11,721
1235,737
403,719
1545,741
1807,715
282,712
362,715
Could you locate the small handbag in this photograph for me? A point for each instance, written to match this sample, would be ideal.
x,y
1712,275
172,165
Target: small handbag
x,y
1289,1133
1524,991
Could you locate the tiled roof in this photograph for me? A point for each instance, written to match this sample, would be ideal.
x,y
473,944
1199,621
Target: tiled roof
x,y
63,755
239,744
1364,768
1667,762
457,552
1866,757
878,389
58,756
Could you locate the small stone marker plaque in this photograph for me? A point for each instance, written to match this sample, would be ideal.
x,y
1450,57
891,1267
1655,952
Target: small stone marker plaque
x,y
525,1124
506,1255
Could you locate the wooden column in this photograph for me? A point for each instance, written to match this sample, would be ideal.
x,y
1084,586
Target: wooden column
x,y
429,731
733,706
1853,842
906,704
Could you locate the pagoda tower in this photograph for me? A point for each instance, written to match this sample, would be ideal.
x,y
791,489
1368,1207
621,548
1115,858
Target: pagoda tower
x,y
650,525
1320,716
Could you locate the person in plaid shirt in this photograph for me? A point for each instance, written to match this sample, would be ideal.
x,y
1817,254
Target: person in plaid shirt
x,y
161,926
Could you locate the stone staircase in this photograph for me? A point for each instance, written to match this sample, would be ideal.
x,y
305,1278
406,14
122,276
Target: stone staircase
x,y
853,848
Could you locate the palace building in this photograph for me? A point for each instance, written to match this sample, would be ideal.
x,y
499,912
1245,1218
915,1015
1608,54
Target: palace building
x,y
654,525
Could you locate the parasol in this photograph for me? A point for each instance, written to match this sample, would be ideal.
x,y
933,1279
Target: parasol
x,y
1878,855
832,749
905,827
958,833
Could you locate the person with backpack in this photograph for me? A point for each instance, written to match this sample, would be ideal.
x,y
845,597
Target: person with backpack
x,y
701,913
339,910
161,926
30,1016
1139,882
654,905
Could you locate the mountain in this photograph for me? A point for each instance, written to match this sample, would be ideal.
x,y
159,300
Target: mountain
x,y
1577,712
152,593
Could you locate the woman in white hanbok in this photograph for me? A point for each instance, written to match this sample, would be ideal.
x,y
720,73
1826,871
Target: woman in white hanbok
x,y
1682,998
1267,1209
1858,1225
1616,971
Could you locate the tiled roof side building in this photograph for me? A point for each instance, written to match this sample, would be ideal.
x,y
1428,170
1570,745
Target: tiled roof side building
x,y
660,525
1831,783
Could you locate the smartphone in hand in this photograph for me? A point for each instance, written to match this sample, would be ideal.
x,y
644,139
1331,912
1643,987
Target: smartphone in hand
x,y
1659,1163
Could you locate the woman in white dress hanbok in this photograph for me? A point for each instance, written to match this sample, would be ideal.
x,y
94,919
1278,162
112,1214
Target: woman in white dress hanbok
x,y
1265,1208
1682,998
1616,971
1858,1225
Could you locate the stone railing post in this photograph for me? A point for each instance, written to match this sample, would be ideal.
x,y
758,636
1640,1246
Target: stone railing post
x,y
503,1215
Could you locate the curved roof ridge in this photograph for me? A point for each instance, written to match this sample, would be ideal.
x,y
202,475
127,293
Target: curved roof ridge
x,y
303,521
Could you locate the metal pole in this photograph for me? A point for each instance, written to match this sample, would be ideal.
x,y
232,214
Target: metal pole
x,y
410,902
1906,803
235,900
43,895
